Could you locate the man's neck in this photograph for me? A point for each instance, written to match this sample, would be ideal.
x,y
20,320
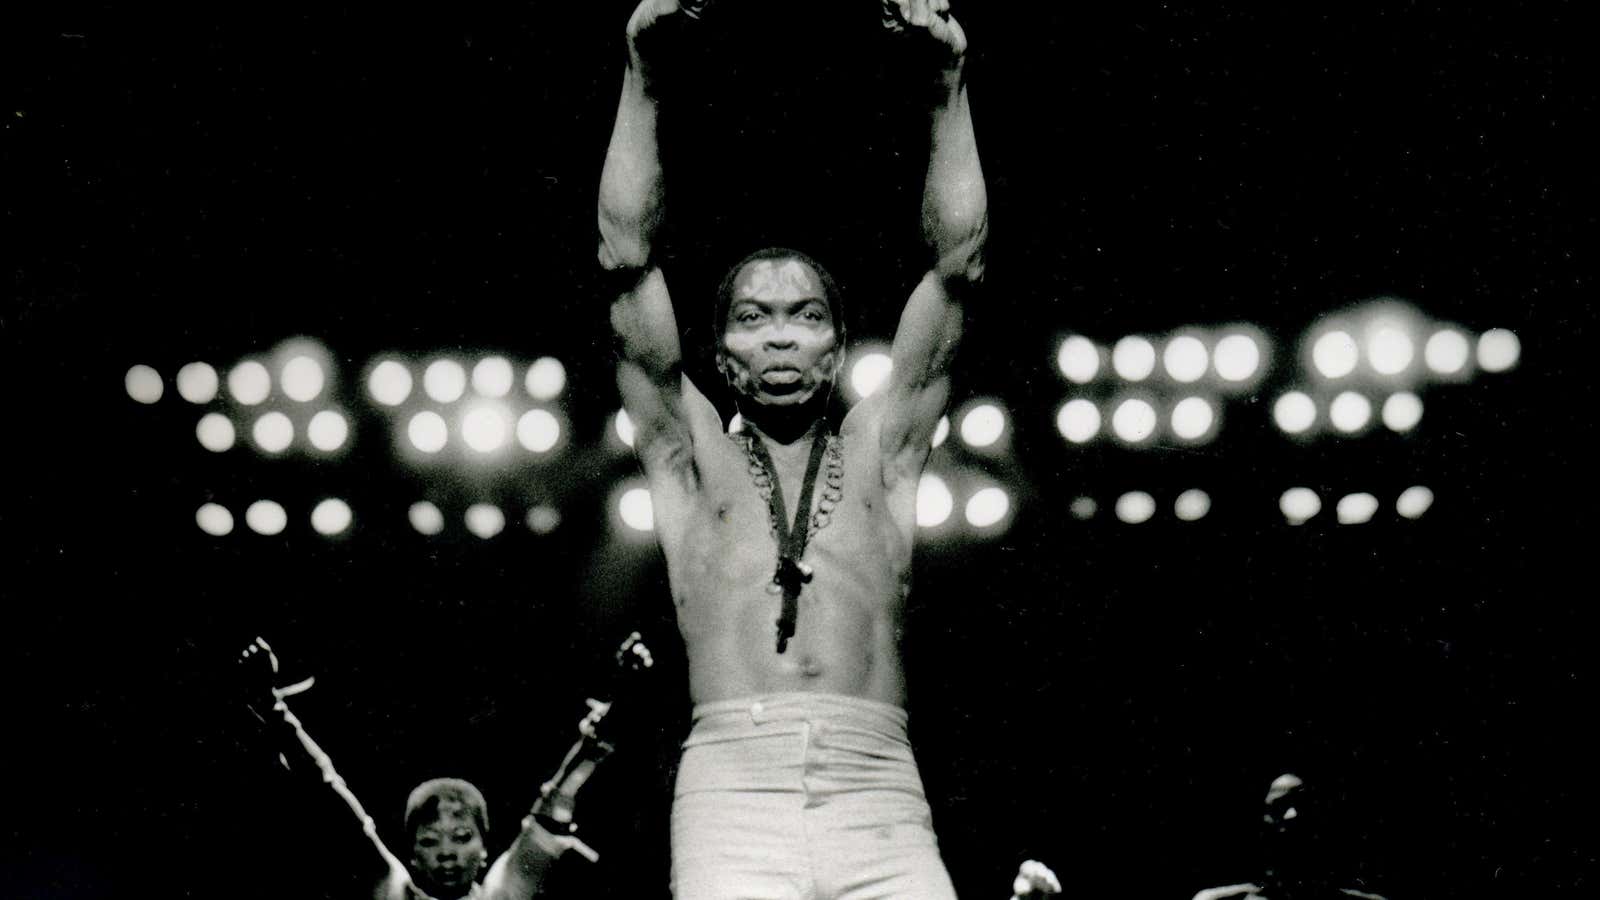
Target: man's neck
x,y
786,425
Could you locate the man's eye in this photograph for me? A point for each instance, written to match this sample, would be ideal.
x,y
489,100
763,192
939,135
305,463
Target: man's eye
x,y
748,317
429,842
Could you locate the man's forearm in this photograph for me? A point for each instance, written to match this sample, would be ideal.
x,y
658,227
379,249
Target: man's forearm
x,y
631,199
955,203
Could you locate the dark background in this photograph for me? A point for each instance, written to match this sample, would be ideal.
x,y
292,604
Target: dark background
x,y
1113,700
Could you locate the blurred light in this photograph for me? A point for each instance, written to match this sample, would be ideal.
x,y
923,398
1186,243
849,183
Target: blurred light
x,y
1355,509
302,379
538,430
427,431
1192,505
1185,358
273,432
983,425
546,377
214,520
389,383
623,425
934,502
870,372
543,519
331,516
425,518
1402,411
492,376
1135,507
197,383
1192,418
940,431
444,380
1389,350
249,382
1084,508
1335,354
215,432
1133,358
988,507
636,510
1349,412
485,520
1134,421
1498,350
1078,421
143,384
266,517
1078,359
484,429
1236,357
1446,351
1299,504
327,431
1294,412
1413,502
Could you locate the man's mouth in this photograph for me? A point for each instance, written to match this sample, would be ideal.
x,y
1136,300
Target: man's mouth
x,y
781,375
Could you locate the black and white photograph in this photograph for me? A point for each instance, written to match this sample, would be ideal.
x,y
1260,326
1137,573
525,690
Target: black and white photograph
x,y
843,450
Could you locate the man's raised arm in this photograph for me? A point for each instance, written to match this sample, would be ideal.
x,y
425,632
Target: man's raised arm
x,y
955,224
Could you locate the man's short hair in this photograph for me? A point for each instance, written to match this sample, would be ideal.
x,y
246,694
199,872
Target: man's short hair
x,y
422,807
730,283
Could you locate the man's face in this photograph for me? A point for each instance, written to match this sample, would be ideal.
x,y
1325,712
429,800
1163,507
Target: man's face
x,y
779,346
448,852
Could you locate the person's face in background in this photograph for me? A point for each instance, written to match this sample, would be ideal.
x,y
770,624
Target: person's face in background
x,y
448,853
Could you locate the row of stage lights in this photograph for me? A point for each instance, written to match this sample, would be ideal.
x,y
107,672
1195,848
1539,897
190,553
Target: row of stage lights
x,y
1298,505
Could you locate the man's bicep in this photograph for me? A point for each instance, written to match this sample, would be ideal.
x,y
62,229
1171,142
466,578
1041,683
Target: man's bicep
x,y
919,382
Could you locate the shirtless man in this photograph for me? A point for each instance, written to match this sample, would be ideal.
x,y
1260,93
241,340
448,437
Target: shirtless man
x,y
796,779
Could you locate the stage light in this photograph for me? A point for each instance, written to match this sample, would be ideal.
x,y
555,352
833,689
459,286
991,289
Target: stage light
x,y
1299,505
327,431
1389,349
444,380
1078,421
266,518
484,429
1413,502
215,432
485,520
1185,359
1133,358
543,519
1083,508
1236,357
389,383
1446,352
1355,509
143,384
1349,412
636,510
1294,412
545,379
302,379
214,520
869,373
1335,354
492,376
1134,421
1192,418
538,430
1402,411
988,507
1078,359
983,425
940,432
273,432
1192,505
428,432
425,518
934,502
622,424
1498,350
330,517
1135,507
197,383
249,383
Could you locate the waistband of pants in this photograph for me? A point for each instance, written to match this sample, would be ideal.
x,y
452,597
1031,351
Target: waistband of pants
x,y
800,706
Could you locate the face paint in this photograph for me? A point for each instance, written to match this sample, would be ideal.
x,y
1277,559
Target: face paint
x,y
778,279
779,344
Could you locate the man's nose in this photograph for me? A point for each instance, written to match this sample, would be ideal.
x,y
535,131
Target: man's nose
x,y
783,333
